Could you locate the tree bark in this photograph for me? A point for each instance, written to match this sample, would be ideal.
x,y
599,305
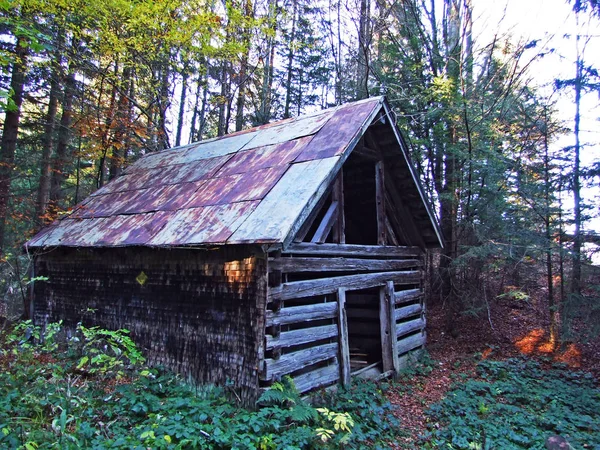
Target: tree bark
x,y
10,131
180,117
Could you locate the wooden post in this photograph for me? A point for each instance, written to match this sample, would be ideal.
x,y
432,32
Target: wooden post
x,y
343,336
380,203
387,323
337,195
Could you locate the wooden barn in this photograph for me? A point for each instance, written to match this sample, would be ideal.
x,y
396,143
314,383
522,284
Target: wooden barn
x,y
294,248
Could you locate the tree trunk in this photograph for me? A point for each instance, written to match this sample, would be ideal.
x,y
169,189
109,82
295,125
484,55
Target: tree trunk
x,y
290,64
362,67
123,121
241,98
180,117
10,132
61,159
43,195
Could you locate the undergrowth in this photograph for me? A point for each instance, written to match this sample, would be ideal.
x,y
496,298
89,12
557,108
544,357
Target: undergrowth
x,y
515,404
91,390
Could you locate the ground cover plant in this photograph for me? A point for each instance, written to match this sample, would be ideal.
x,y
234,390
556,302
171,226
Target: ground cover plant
x,y
516,404
91,390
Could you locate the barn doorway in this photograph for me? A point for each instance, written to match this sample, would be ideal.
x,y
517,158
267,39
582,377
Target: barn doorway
x,y
364,337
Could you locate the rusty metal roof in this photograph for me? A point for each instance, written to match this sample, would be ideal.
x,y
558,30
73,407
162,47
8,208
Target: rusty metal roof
x,y
246,187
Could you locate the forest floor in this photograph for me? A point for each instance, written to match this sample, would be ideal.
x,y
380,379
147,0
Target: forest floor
x,y
511,329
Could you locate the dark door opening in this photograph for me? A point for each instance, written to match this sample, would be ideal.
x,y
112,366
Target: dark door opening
x,y
364,338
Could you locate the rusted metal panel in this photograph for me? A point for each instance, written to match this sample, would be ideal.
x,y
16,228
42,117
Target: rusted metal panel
x,y
163,158
301,127
164,198
263,157
346,124
225,145
205,225
106,205
273,219
237,188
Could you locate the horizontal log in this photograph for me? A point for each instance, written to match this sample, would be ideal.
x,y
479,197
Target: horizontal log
x,y
304,313
339,264
291,362
411,326
407,296
409,358
407,311
322,286
309,248
409,343
303,336
317,378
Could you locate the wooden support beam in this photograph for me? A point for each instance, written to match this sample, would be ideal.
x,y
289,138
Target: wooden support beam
x,y
344,357
317,378
291,362
367,152
300,314
303,336
407,296
326,224
408,224
339,264
355,250
310,219
409,327
407,311
411,342
380,203
387,325
337,195
322,286
391,236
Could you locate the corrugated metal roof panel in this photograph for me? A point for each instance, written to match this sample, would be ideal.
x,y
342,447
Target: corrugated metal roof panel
x,y
205,225
343,126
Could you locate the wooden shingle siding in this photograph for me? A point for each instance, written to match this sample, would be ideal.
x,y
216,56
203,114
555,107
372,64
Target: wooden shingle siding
x,y
200,312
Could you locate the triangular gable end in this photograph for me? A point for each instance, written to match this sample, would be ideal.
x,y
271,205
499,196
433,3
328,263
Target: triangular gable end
x,y
374,198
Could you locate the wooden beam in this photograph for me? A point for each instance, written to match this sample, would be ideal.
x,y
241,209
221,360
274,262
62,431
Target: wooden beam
x,y
317,378
337,195
339,264
391,236
387,326
380,203
411,342
276,368
368,152
409,327
360,251
405,216
322,286
300,314
407,311
344,357
408,295
310,219
302,336
326,224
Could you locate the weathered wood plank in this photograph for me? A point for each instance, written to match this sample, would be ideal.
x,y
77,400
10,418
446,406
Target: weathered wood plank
x,y
276,368
411,326
391,236
339,264
387,327
407,311
343,338
406,344
303,336
304,313
291,200
409,358
322,286
407,296
337,195
326,224
380,206
317,378
352,250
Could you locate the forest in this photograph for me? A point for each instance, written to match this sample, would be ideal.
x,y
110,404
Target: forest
x,y
87,87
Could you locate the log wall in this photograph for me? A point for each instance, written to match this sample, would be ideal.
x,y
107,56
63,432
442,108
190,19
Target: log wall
x,y
324,309
198,312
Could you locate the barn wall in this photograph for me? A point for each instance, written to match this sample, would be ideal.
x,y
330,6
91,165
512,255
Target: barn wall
x,y
199,312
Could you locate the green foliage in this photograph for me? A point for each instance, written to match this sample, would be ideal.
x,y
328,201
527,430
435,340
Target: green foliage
x,y
54,395
516,405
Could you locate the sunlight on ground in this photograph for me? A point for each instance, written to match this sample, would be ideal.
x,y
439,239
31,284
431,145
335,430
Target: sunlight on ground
x,y
537,342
